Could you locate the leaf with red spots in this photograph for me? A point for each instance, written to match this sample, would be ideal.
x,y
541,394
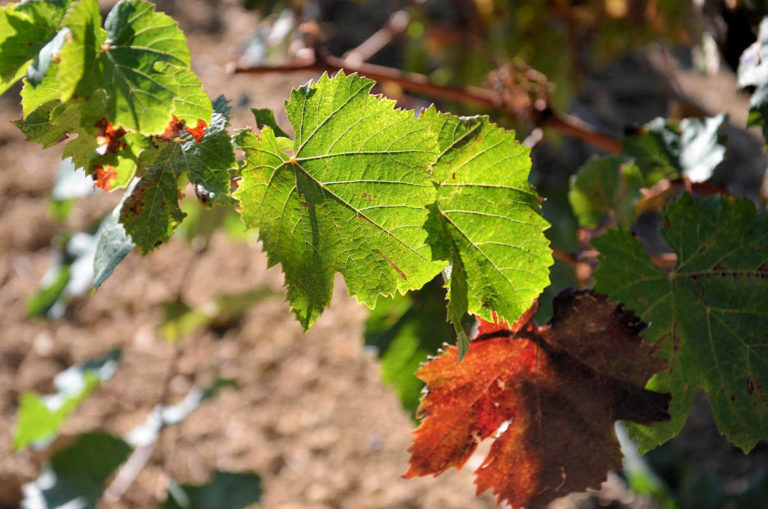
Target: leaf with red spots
x,y
548,395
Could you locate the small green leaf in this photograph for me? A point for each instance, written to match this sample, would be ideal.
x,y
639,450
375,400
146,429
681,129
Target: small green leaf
x,y
208,163
486,220
265,117
606,185
665,149
707,317
40,417
75,476
225,490
37,126
350,198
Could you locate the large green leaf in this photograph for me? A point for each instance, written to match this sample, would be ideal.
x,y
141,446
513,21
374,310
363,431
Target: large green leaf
x,y
146,68
79,69
487,219
40,417
707,316
349,198
25,29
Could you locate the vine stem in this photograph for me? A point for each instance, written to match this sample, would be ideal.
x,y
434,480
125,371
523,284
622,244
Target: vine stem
x,y
322,61
138,459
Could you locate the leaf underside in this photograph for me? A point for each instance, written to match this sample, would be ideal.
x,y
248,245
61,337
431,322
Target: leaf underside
x,y
707,317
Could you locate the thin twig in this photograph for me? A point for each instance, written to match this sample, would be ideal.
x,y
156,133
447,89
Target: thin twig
x,y
419,83
394,27
138,459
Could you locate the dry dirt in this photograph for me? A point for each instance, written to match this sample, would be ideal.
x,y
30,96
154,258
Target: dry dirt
x,y
310,413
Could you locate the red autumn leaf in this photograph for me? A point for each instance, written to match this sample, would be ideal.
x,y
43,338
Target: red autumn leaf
x,y
199,131
105,177
549,395
175,126
109,137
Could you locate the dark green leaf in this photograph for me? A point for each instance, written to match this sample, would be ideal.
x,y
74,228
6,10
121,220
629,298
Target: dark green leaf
x,y
75,476
225,490
404,331
707,317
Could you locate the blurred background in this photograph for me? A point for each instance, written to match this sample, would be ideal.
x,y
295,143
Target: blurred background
x,y
325,417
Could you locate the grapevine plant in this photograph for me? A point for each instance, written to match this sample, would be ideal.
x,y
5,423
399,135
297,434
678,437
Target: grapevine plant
x,y
391,199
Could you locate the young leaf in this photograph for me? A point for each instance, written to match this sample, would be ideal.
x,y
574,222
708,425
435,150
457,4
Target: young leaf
x,y
39,417
225,490
350,197
75,476
606,185
707,316
549,395
25,29
486,220
664,149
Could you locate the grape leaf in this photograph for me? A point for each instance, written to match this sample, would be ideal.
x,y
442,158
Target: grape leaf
x,y
140,57
707,316
25,29
151,213
486,220
75,476
753,72
549,395
225,490
666,149
350,197
606,185
39,417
